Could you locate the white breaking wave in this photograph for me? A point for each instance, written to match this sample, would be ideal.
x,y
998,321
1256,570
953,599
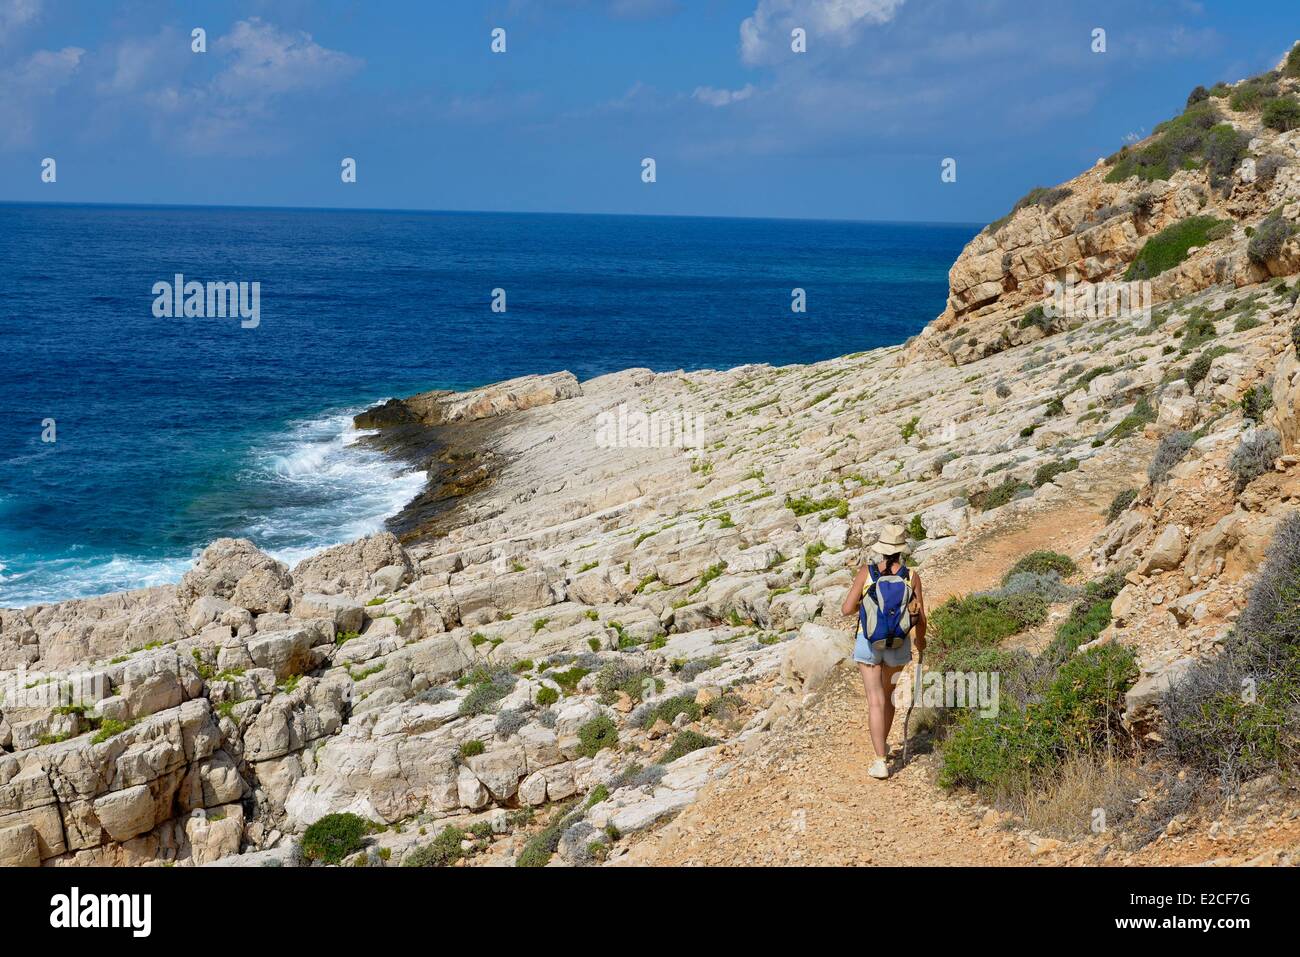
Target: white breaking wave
x,y
328,488
310,488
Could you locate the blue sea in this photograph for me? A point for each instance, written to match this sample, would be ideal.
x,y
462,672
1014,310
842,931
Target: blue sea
x,y
170,432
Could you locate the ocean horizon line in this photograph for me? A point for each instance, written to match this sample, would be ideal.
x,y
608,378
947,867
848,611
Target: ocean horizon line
x,y
485,212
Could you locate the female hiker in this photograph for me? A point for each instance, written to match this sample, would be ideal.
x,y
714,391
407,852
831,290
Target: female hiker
x,y
886,599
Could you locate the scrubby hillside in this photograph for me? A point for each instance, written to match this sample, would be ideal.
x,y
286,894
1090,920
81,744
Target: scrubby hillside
x,y
593,624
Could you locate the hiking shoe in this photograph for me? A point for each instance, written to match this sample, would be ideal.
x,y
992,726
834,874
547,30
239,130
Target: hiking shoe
x,y
878,769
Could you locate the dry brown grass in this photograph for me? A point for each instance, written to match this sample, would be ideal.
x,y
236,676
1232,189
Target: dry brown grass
x,y
1068,805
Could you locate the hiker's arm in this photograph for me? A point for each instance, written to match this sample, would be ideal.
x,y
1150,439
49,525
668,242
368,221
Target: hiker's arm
x,y
921,622
854,597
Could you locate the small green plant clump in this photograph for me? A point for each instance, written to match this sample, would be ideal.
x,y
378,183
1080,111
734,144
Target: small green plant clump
x,y
807,506
685,743
1173,448
1256,402
596,735
1200,367
444,851
1120,503
1167,248
916,529
1050,470
334,837
1254,456
1269,238
999,495
1042,562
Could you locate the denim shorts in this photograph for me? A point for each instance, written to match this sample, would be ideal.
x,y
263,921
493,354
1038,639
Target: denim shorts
x,y
894,657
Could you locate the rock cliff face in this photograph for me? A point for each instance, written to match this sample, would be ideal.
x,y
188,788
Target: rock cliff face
x,y
618,612
1090,229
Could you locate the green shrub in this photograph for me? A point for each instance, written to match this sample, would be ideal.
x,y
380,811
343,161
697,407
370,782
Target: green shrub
x,y
443,851
978,621
487,688
1269,238
807,506
916,529
546,696
999,495
1223,148
1119,503
1198,329
1076,708
1088,619
1254,456
1281,114
109,728
1050,470
597,734
1256,401
667,710
685,743
569,678
1251,95
632,679
1173,448
710,573
1291,67
334,837
1143,412
1179,143
908,429
1167,248
537,852
1200,367
1041,563
1295,338
469,749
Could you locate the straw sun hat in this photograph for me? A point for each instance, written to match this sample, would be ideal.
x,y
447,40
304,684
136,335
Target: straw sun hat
x,y
892,540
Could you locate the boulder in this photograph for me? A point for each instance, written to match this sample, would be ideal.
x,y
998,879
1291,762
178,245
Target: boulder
x,y
947,518
223,565
810,658
1142,700
349,568
1166,554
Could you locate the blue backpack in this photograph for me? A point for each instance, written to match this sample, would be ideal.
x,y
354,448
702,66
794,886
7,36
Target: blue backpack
x,y
883,614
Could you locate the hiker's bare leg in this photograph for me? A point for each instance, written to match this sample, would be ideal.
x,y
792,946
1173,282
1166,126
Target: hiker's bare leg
x,y
877,701
888,679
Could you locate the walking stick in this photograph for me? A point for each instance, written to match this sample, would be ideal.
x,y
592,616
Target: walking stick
x,y
916,693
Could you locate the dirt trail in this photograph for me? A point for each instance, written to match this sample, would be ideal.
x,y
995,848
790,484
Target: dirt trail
x,y
803,796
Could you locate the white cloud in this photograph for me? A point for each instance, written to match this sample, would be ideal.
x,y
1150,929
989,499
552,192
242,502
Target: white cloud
x,y
233,112
16,13
26,84
766,32
715,97
266,61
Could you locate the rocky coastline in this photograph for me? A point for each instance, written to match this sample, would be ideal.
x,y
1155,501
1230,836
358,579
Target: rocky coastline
x,y
566,641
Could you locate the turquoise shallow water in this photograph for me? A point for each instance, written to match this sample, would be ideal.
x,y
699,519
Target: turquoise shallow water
x,y
174,431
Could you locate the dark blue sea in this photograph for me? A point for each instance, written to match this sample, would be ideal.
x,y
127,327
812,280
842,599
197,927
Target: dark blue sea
x,y
170,432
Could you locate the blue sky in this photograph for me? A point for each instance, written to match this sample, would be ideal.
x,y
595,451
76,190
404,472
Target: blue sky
x,y
737,123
